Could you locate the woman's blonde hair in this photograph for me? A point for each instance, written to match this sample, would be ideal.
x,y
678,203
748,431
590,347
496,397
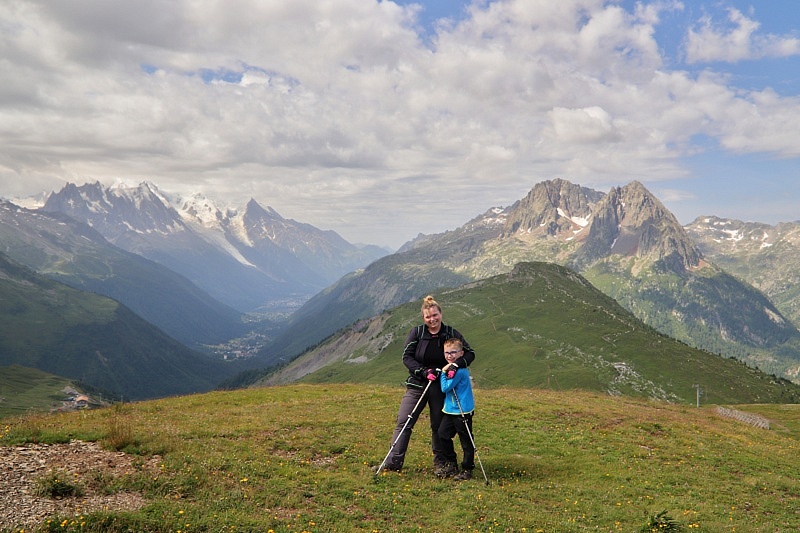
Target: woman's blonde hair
x,y
429,302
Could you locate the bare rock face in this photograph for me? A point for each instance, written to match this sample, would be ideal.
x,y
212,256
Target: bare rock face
x,y
630,221
557,208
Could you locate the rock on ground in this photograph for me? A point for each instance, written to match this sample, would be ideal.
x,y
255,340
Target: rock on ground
x,y
22,466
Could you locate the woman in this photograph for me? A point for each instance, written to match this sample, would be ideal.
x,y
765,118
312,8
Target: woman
x,y
423,355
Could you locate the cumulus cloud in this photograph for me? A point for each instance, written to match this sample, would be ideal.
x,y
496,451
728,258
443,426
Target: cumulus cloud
x,y
586,125
343,101
737,41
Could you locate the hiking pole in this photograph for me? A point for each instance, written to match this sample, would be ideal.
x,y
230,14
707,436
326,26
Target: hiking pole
x,y
466,425
410,415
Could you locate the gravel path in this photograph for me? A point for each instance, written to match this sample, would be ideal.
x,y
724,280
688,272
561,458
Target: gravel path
x,y
21,466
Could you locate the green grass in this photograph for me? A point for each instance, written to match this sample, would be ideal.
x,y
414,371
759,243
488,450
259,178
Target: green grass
x,y
27,389
297,458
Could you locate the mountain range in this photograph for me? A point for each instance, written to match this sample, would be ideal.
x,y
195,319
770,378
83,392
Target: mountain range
x,y
625,242
73,253
250,259
765,256
158,308
192,269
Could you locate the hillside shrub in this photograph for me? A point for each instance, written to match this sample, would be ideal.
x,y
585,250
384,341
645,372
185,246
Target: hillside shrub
x,y
661,522
57,484
120,430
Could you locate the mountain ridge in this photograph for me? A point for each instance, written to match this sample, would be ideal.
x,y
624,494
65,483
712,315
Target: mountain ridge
x,y
625,242
541,325
245,258
766,256
63,249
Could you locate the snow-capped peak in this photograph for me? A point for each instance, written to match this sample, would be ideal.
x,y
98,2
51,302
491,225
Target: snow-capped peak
x,y
198,208
138,194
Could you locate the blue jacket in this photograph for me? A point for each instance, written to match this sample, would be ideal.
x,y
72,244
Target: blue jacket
x,y
461,385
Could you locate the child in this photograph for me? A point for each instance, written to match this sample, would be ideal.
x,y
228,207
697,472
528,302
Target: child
x,y
459,405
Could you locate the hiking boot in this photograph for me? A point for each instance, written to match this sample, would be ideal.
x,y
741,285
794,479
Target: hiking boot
x,y
446,470
464,475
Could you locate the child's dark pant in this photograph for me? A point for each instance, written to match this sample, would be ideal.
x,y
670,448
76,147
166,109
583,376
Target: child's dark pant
x,y
451,426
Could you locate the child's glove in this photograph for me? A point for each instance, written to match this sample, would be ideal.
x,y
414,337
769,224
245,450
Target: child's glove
x,y
451,372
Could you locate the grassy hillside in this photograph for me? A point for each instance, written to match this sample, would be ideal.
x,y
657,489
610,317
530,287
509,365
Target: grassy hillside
x,y
297,458
27,389
87,337
544,326
754,331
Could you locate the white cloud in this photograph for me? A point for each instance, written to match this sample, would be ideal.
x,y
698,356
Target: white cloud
x,y
309,105
586,125
737,42
674,195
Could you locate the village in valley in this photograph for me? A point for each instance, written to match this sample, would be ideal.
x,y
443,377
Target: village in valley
x,y
76,400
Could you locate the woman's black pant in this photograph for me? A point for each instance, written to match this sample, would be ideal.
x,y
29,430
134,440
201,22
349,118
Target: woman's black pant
x,y
434,399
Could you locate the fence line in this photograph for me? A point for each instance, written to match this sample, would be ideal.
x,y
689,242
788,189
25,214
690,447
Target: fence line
x,y
748,418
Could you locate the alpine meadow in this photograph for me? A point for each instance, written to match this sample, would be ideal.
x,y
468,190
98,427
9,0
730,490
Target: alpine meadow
x,y
297,458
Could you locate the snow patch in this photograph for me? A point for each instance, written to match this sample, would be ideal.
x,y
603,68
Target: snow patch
x,y
31,202
734,234
580,221
199,212
238,229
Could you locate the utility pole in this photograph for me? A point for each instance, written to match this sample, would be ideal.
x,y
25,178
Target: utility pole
x,y
698,394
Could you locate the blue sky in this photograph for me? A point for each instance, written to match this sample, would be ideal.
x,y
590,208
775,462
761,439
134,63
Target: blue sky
x,y
415,116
